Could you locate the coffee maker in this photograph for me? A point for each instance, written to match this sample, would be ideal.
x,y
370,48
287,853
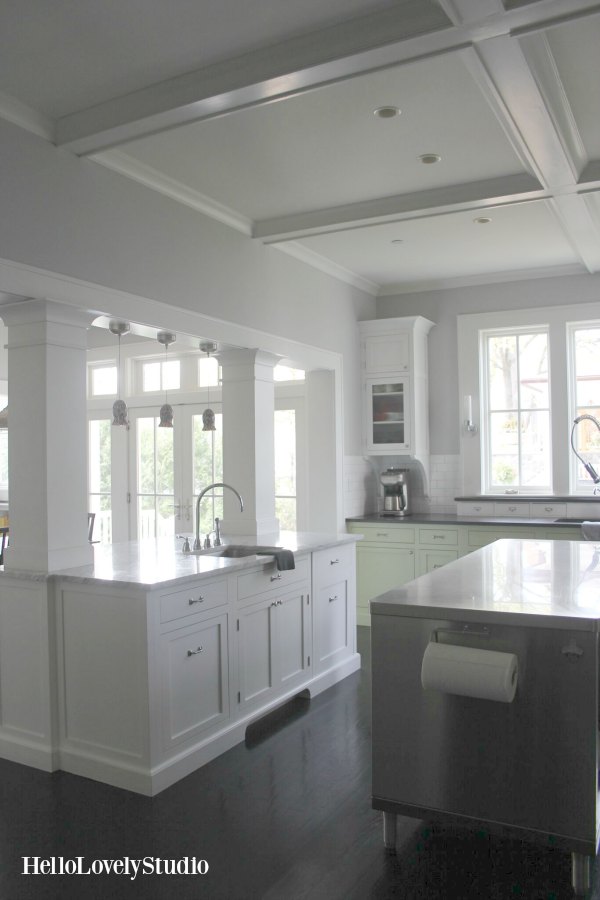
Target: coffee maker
x,y
395,492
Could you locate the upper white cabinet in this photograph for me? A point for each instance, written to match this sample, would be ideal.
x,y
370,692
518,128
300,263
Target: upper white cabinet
x,y
395,376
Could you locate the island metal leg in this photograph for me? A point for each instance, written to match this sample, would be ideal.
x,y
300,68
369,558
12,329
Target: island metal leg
x,y
389,831
581,873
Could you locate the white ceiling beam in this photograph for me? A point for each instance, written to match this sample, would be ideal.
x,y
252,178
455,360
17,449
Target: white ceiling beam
x,y
438,201
403,33
581,226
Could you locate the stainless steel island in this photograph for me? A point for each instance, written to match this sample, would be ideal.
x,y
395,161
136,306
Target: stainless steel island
x,y
526,764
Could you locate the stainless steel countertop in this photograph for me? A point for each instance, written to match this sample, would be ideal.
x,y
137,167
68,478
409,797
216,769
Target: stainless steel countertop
x,y
550,584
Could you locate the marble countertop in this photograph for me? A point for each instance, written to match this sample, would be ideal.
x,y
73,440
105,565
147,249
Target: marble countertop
x,y
161,563
453,519
552,584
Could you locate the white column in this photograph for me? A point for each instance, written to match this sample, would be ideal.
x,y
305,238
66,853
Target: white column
x,y
47,436
324,450
248,441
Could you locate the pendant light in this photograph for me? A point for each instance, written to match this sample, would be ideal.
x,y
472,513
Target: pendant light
x,y
120,415
166,411
208,416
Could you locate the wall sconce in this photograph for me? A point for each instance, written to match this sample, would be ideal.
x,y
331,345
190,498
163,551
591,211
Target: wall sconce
x,y
166,411
120,414
208,416
470,426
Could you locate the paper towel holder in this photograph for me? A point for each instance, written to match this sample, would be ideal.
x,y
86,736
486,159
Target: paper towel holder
x,y
466,631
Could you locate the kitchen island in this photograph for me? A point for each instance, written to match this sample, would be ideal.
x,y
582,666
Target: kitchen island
x,y
149,663
524,764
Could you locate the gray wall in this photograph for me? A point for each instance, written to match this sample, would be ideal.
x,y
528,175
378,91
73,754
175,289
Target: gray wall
x,y
77,218
443,307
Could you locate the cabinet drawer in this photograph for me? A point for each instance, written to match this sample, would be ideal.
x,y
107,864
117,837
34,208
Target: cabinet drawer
x,y
332,564
195,598
388,533
548,510
511,509
439,537
475,508
268,578
479,537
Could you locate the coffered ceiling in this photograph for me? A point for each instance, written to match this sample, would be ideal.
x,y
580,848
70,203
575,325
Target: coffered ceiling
x,y
261,113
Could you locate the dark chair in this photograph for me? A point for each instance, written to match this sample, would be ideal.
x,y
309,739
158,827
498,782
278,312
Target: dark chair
x,y
3,543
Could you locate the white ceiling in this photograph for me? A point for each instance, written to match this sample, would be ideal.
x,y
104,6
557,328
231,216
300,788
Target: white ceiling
x,y
260,113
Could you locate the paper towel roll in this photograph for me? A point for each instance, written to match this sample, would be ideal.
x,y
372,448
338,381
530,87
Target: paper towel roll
x,y
486,674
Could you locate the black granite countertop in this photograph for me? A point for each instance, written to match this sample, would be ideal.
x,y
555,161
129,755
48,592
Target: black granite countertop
x,y
452,519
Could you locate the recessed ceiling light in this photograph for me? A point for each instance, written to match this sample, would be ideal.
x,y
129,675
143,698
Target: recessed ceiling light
x,y
386,112
482,220
429,159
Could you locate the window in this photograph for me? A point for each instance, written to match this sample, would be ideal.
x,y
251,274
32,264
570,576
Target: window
x,y
529,373
517,410
99,478
285,468
585,355
207,465
3,454
155,479
285,373
208,372
103,380
161,376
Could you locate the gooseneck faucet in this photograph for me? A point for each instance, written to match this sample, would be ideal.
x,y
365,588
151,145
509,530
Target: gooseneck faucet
x,y
218,484
586,465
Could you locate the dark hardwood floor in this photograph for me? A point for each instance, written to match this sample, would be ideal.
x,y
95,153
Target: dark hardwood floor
x,y
285,816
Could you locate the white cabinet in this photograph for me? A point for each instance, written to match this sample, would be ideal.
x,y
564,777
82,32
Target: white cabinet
x,y
194,678
273,635
334,603
395,385
153,682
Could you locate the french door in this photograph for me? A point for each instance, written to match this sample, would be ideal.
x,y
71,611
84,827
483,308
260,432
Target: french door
x,y
169,468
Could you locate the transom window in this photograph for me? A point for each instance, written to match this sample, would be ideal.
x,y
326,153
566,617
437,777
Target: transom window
x,y
103,380
164,375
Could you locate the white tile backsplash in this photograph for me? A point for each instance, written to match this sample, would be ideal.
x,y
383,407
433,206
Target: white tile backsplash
x,y
362,488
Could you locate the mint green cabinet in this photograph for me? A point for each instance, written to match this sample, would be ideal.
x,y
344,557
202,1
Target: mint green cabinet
x,y
380,568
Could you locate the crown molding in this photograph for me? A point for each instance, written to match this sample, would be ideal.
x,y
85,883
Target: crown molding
x,y
121,162
25,117
298,251
448,284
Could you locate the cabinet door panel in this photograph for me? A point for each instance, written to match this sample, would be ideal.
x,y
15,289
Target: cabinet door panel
x,y
435,559
382,568
291,639
332,625
194,674
255,640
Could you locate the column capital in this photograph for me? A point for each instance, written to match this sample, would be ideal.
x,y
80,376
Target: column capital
x,y
38,310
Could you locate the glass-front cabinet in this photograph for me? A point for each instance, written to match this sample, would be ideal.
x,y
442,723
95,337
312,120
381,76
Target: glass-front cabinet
x,y
388,414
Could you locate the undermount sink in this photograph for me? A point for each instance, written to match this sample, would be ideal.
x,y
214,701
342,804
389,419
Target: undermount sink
x,y
234,551
569,521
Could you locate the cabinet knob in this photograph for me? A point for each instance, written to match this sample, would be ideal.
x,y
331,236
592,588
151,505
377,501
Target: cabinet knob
x,y
276,577
333,562
200,599
195,652
332,599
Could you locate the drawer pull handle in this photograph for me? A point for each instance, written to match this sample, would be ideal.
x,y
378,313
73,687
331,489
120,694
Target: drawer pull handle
x,y
439,537
477,508
437,565
333,562
195,652
200,599
382,534
332,599
548,509
277,603
276,577
512,508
